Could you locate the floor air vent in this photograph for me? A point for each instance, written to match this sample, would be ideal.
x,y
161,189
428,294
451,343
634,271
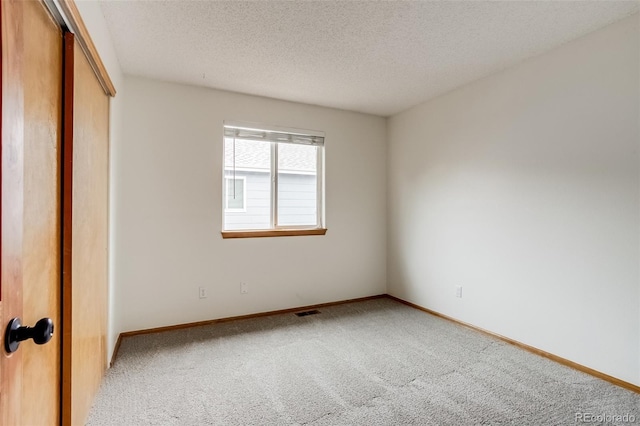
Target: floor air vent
x,y
305,313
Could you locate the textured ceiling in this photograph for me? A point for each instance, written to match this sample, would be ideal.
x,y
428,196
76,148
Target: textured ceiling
x,y
375,57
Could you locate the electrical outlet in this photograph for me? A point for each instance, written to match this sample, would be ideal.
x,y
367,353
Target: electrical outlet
x,y
459,291
243,288
202,293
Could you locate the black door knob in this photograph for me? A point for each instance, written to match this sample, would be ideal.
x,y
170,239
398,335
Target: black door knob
x,y
40,333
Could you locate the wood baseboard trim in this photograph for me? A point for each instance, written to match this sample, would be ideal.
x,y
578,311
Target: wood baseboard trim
x,y
126,334
540,352
115,350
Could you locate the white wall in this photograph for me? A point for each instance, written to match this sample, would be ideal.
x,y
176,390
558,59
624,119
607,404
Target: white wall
x,y
94,20
523,187
169,211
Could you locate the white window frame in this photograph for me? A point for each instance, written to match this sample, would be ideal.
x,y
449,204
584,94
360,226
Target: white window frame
x,y
244,194
320,185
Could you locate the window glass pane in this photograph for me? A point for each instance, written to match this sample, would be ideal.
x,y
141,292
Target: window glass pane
x,y
235,193
297,185
250,163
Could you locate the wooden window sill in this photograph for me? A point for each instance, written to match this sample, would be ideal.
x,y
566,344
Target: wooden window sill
x,y
273,233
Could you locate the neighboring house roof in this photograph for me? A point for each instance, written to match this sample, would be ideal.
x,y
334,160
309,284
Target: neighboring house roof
x,y
257,155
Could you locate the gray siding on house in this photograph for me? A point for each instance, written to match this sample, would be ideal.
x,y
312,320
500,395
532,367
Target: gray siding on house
x,y
297,199
257,214
296,202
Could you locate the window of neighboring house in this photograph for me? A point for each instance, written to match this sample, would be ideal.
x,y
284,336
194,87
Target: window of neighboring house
x,y
236,196
274,181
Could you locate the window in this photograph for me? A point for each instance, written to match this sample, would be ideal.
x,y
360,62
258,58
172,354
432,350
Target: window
x,y
236,198
273,181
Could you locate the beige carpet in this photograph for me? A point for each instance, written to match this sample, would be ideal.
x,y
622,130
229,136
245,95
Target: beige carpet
x,y
367,363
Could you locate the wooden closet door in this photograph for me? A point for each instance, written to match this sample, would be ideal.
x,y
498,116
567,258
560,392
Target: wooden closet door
x,y
85,229
30,211
42,211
